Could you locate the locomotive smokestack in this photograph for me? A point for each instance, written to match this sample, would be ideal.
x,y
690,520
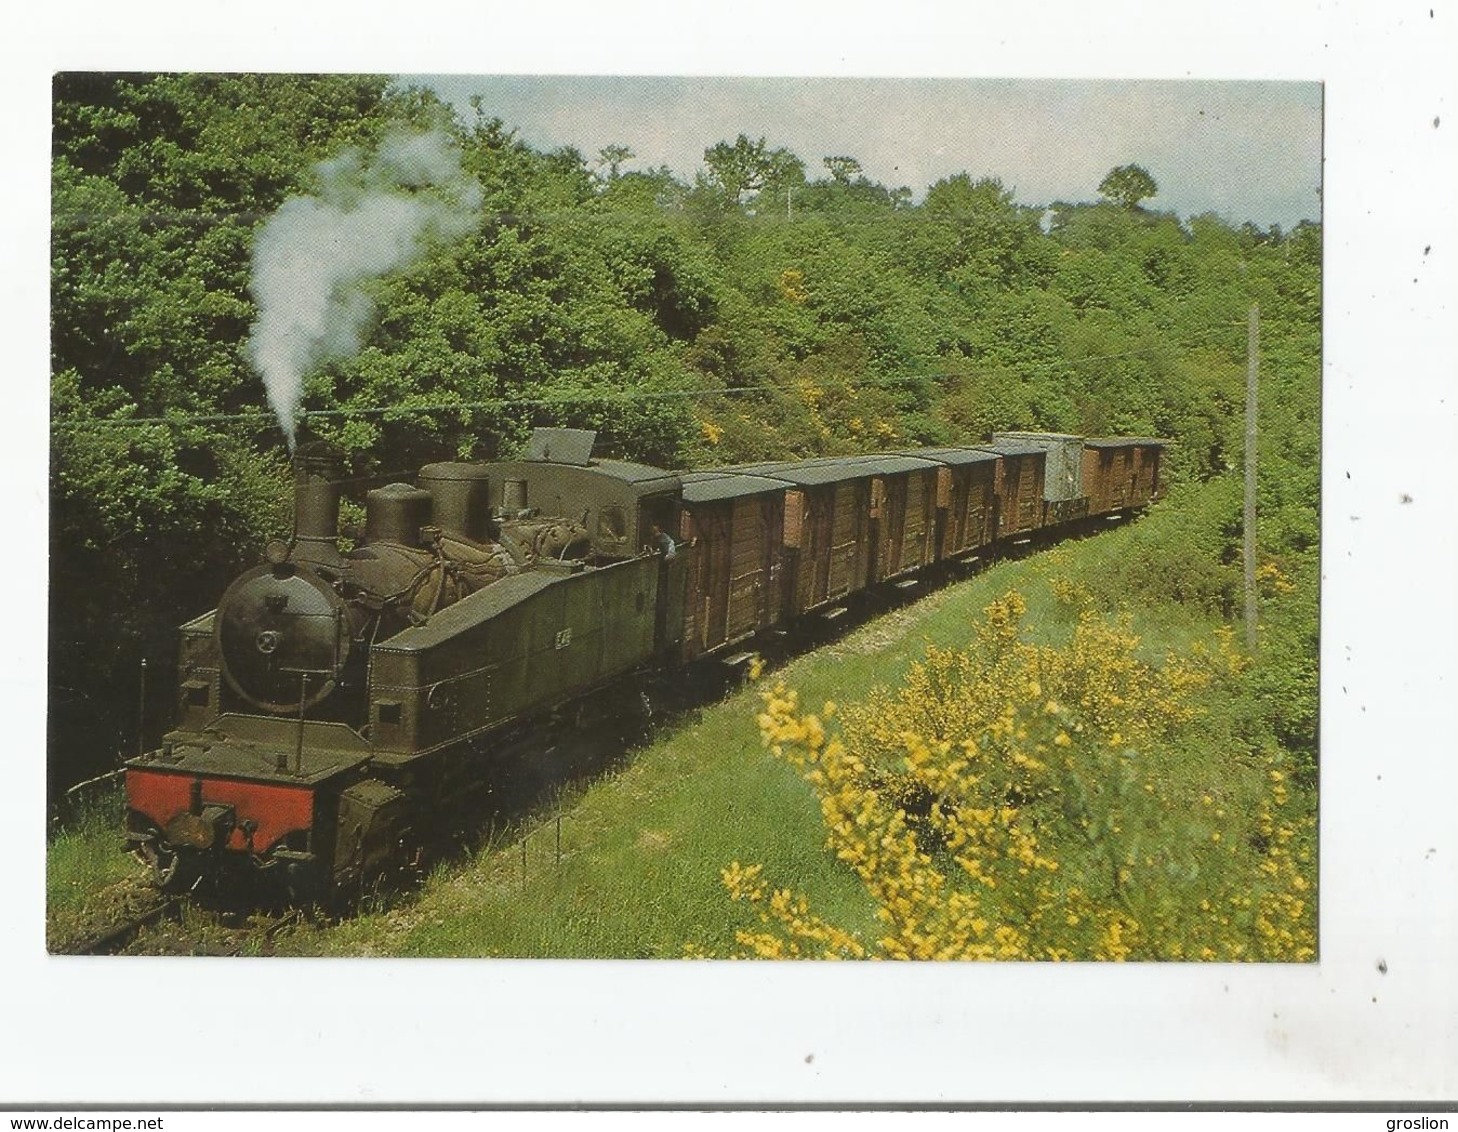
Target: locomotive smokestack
x,y
318,469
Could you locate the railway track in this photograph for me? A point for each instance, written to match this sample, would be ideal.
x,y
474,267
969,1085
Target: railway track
x,y
267,932
117,938
114,939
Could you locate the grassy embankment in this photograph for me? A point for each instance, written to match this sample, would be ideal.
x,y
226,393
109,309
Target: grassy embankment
x,y
642,848
87,874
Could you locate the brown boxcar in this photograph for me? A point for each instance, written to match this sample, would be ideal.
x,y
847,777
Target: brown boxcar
x,y
1019,486
966,499
903,514
732,534
1121,472
827,535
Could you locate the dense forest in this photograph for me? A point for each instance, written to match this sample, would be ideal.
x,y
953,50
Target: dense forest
x,y
777,304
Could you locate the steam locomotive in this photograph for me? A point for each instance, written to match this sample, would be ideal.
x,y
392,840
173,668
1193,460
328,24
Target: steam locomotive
x,y
336,706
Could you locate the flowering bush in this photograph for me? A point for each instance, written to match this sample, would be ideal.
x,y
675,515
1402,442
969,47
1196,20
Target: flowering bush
x,y
1018,801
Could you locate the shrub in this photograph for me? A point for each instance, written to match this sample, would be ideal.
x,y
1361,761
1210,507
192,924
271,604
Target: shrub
x,y
1020,801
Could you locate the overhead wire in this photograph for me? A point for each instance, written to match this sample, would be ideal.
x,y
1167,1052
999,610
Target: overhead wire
x,y
264,420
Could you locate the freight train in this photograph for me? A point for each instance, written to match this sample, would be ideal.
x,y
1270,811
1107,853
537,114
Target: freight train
x,y
338,705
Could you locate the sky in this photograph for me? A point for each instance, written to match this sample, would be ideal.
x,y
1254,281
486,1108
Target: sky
x,y
1250,151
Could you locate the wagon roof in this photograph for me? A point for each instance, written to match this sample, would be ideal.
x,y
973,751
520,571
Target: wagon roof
x,y
1009,448
833,469
1125,442
1035,437
889,463
809,473
709,486
952,455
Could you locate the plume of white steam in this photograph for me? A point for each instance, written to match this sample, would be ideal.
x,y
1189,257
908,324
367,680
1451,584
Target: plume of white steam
x,y
372,216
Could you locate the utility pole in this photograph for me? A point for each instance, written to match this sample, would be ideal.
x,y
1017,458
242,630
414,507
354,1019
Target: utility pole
x,y
1252,349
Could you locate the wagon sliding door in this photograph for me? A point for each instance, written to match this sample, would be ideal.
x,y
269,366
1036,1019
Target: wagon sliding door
x,y
1022,492
755,531
981,506
713,602
806,549
919,519
846,562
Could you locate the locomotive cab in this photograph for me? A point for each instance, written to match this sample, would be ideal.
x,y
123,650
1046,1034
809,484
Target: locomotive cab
x,y
614,501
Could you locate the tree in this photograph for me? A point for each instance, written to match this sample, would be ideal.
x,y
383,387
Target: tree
x,y
747,167
1128,185
843,170
976,234
613,157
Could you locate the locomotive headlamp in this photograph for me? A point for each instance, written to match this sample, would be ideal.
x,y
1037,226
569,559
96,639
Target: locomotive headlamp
x,y
276,553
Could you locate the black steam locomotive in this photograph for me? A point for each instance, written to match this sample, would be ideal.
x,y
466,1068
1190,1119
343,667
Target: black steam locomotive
x,y
336,706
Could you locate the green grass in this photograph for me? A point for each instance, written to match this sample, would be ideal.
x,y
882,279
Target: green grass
x,y
84,861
